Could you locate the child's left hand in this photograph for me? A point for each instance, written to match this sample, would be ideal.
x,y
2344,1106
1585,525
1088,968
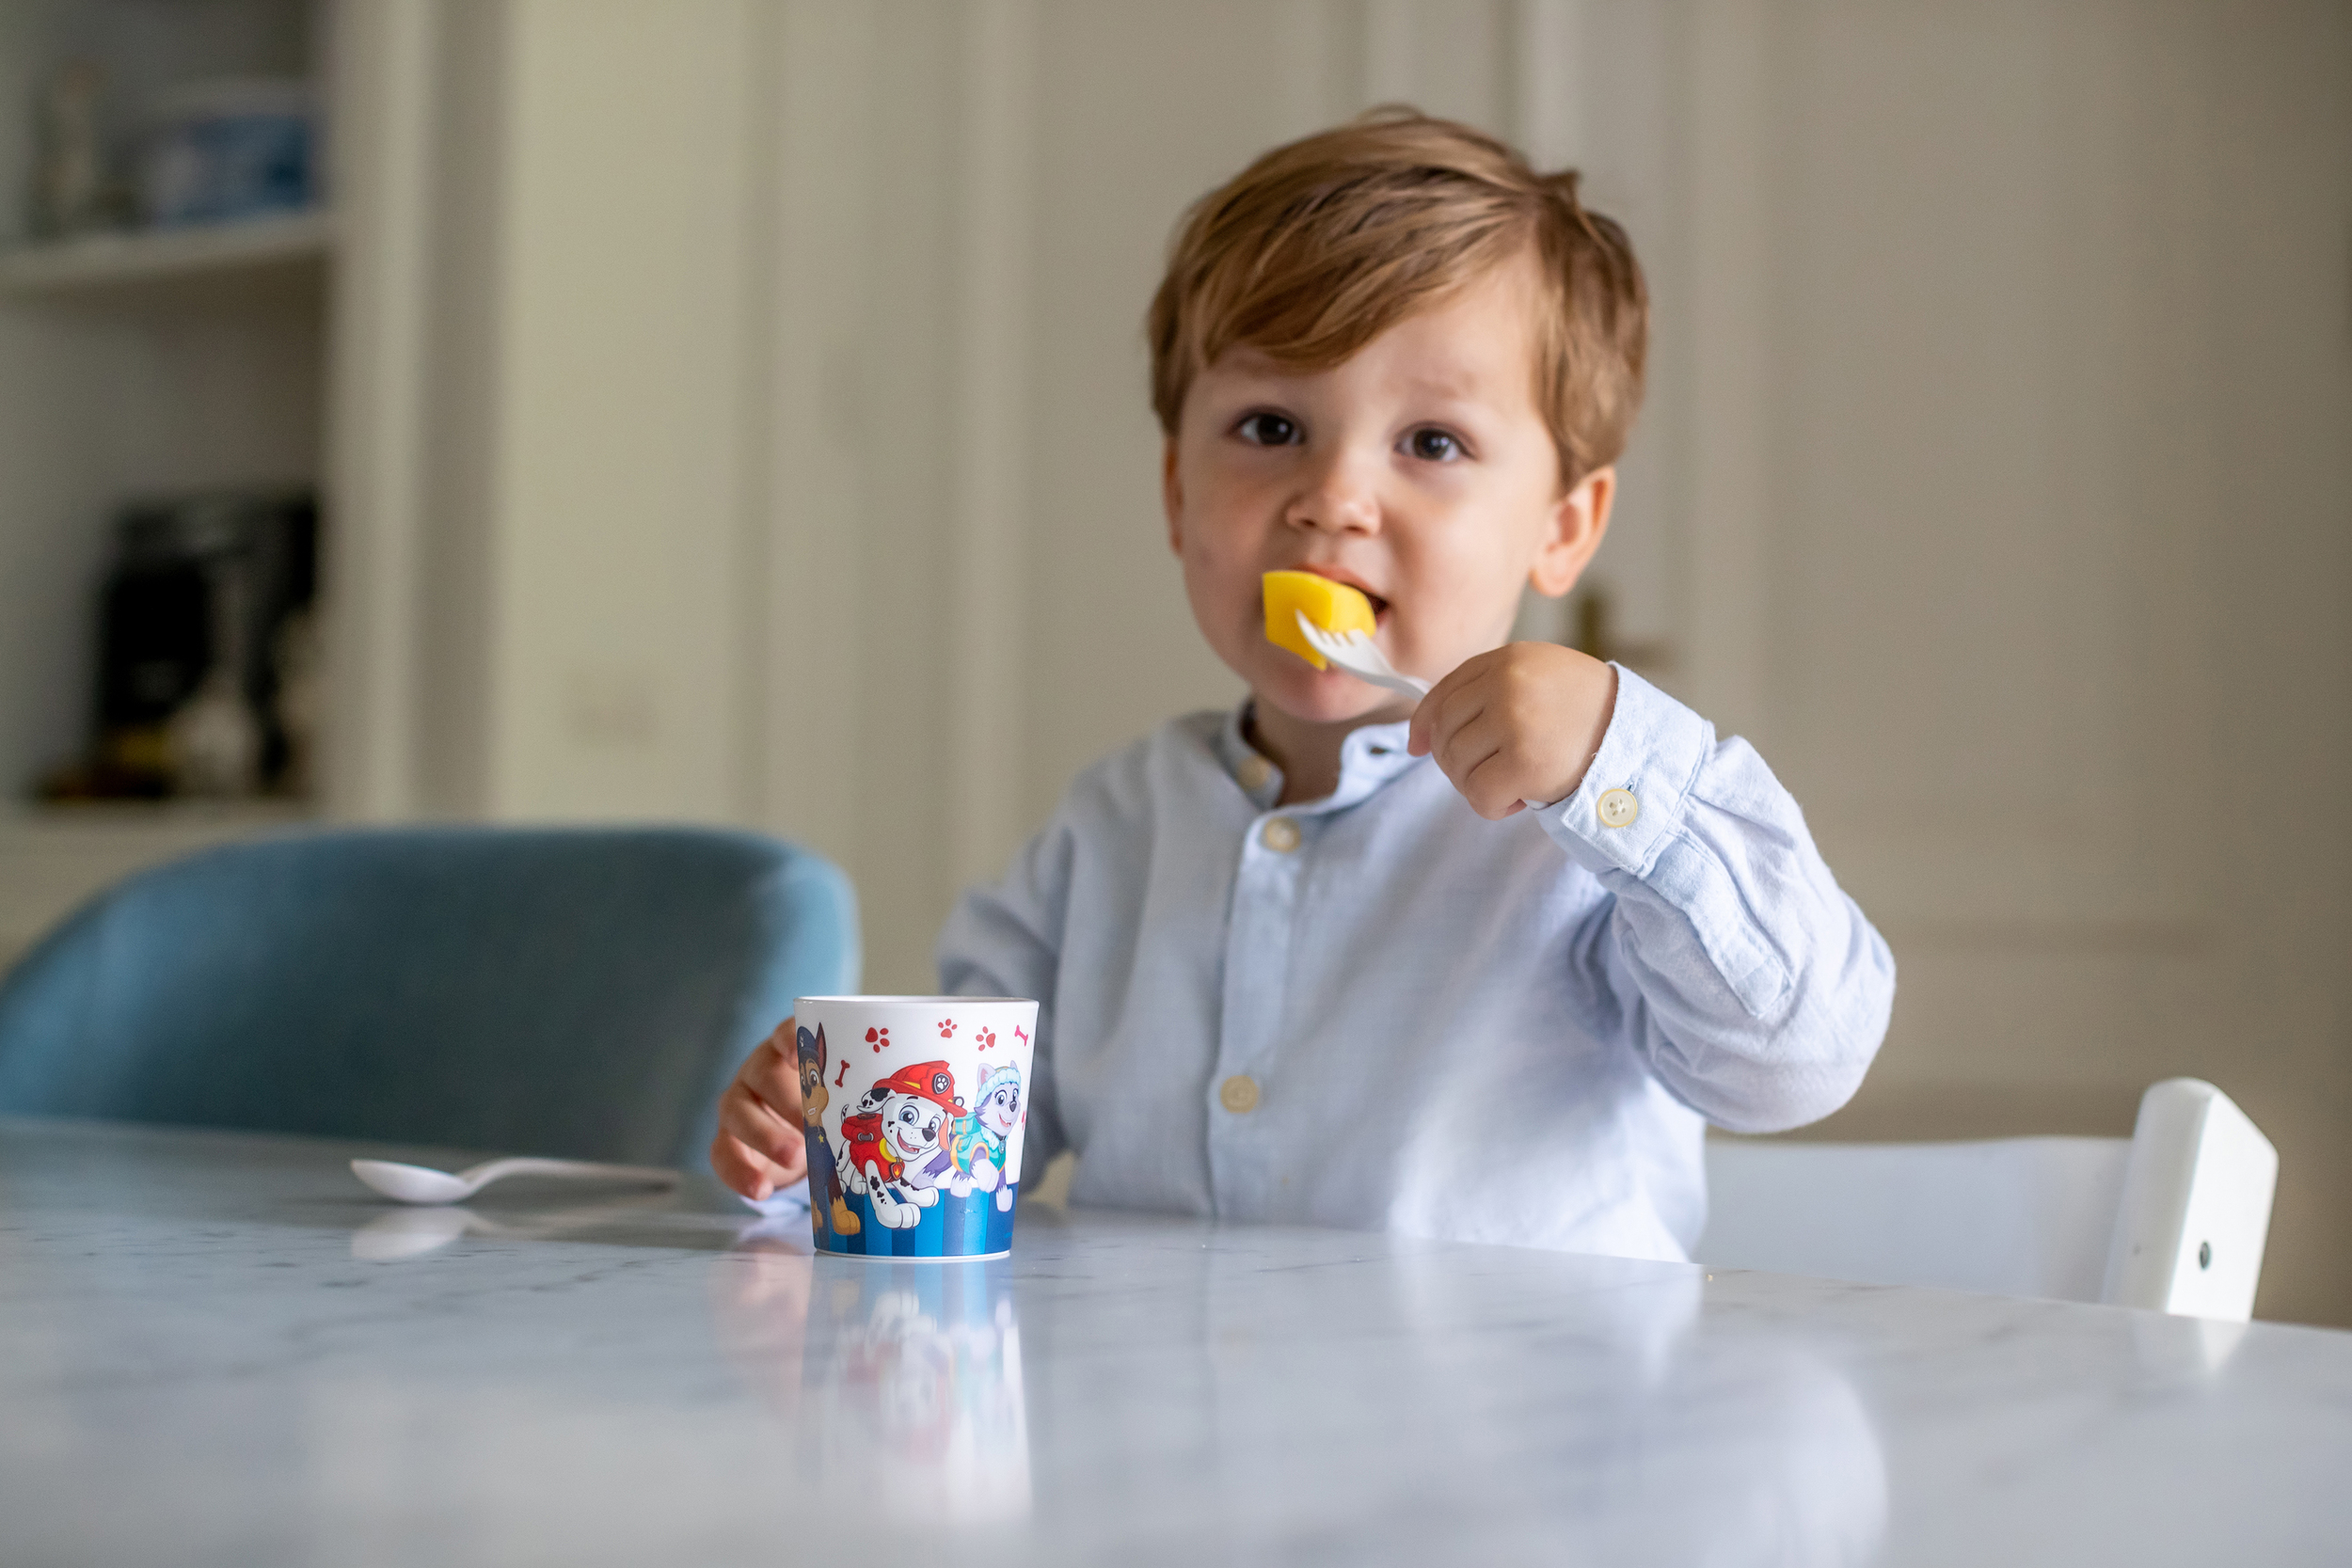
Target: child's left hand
x,y
1516,725
762,1145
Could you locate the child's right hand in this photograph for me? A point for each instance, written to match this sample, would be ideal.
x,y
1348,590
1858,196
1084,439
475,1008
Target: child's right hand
x,y
760,1145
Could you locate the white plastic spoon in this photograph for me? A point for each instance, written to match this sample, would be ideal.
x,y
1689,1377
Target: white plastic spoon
x,y
423,1184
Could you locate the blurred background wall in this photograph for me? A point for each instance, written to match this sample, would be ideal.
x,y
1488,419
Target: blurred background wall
x,y
733,410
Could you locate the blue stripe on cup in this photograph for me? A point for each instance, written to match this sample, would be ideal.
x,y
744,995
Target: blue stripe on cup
x,y
969,1226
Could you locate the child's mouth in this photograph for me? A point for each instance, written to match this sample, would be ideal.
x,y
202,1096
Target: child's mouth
x,y
1379,604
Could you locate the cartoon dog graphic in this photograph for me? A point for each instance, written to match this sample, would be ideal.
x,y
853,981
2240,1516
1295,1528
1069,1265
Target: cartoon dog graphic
x,y
888,1145
824,1178
977,1143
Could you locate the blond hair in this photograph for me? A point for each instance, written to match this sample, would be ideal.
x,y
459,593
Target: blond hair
x,y
1322,244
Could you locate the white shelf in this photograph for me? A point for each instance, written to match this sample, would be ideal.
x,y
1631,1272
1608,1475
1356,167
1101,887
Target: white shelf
x,y
160,255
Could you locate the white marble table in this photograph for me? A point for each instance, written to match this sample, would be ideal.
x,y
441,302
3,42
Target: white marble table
x,y
220,1350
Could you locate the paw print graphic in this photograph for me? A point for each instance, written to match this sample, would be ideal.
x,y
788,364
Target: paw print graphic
x,y
986,1038
946,1027
878,1037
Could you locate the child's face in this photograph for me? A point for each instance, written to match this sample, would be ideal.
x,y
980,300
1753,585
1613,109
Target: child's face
x,y
1419,471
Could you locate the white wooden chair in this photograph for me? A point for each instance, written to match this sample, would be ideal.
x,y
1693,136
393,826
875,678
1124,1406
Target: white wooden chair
x,y
2174,1218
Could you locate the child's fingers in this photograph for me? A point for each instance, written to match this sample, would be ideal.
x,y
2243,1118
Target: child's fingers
x,y
1479,759
1494,787
746,1170
772,1072
1497,757
1430,718
1455,712
744,1115
775,1082
732,1164
1417,736
775,1172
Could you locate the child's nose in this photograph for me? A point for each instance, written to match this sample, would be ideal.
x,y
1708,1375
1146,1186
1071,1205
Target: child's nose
x,y
1339,495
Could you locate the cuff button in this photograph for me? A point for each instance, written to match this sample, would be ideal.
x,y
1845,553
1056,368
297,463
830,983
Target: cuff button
x,y
1618,808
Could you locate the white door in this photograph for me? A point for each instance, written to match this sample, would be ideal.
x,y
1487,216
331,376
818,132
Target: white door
x,y
2019,398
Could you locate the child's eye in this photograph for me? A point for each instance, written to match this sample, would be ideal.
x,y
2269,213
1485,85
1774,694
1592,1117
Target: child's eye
x,y
1264,429
1434,446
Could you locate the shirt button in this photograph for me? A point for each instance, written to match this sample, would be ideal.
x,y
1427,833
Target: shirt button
x,y
1618,808
1280,835
1253,772
1238,1094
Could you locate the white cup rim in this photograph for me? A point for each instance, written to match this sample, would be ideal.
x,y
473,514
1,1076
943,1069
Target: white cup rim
x,y
923,1001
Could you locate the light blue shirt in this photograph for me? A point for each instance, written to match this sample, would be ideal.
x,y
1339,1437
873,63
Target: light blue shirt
x,y
1508,1032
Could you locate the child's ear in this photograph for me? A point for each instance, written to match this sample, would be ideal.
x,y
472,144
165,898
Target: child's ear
x,y
1577,522
1173,495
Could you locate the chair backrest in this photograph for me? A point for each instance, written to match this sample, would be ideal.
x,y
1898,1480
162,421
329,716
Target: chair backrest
x,y
579,993
2174,1219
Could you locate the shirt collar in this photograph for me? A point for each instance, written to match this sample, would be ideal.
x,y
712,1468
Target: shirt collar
x,y
1369,758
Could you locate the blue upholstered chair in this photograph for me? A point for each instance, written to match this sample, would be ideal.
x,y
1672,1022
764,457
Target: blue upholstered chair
x,y
575,992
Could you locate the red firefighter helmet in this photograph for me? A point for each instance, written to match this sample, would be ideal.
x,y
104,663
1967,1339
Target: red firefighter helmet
x,y
929,1080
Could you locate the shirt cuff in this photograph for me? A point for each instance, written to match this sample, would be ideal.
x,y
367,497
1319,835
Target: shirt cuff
x,y
1653,750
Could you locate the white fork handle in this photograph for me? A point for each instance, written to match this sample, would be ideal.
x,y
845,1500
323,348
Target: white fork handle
x,y
1390,679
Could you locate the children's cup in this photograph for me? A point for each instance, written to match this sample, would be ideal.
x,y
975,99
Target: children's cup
x,y
916,1107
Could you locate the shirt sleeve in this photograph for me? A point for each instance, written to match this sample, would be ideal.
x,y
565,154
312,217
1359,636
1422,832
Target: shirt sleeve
x,y
1753,986
1004,939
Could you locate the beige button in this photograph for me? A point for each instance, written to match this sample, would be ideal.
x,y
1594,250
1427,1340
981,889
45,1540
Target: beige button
x,y
1280,835
1238,1094
1253,772
1618,808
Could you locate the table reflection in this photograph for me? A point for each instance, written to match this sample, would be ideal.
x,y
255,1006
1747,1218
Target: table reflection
x,y
913,1379
1631,1411
407,1232
904,1379
1580,1409
1713,1436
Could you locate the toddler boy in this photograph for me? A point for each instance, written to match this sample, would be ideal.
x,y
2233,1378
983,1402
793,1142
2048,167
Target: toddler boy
x,y
1481,967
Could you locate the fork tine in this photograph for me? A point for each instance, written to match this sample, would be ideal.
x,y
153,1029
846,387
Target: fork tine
x,y
1330,646
1334,644
1358,654
1320,637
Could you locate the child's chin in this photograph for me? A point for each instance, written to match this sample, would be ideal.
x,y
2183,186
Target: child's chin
x,y
1323,697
